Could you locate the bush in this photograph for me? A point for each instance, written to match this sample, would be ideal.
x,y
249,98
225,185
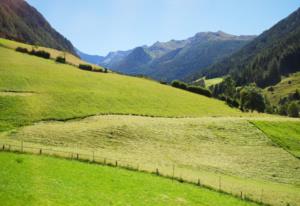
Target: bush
x,y
199,90
232,102
85,67
61,60
41,53
293,110
22,50
97,70
179,84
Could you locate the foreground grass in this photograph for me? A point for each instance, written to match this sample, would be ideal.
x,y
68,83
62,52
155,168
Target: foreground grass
x,y
210,149
32,180
64,92
284,134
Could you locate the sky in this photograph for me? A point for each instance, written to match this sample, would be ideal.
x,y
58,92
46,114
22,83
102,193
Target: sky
x,y
101,26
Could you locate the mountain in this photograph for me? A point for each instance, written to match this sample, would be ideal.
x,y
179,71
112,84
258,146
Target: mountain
x,y
174,59
21,22
274,53
93,59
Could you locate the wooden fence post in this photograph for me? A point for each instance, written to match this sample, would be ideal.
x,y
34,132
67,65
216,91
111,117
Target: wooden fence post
x,y
241,195
3,147
22,146
173,172
199,183
220,183
77,156
41,151
93,156
116,163
157,171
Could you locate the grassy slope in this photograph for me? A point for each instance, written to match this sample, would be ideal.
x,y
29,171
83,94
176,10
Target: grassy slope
x,y
285,134
283,89
70,58
214,81
31,180
62,92
204,148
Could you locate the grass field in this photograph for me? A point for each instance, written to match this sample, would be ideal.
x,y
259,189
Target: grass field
x,y
284,88
32,180
70,58
211,82
285,134
207,148
63,92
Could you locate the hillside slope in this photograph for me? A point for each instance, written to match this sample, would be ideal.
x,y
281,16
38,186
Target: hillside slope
x,y
171,60
275,52
57,91
19,21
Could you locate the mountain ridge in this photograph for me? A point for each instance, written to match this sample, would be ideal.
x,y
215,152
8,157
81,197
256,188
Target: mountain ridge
x,y
176,59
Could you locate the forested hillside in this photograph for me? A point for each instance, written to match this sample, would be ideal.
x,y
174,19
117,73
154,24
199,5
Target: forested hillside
x,y
19,21
274,53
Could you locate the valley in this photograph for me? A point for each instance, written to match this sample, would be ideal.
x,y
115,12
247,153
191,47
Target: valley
x,y
210,120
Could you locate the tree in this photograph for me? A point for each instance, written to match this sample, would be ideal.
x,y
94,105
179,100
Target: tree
x,y
293,110
179,84
251,98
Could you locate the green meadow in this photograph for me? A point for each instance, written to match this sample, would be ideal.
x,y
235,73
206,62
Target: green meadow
x,y
32,180
208,148
284,134
59,91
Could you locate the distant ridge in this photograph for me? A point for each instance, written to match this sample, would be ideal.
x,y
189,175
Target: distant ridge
x,y
21,22
176,59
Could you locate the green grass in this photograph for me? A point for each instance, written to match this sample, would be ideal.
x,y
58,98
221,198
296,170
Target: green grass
x,y
206,148
211,82
32,180
284,88
284,134
70,58
64,92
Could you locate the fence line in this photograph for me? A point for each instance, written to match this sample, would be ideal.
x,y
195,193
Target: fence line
x,y
92,158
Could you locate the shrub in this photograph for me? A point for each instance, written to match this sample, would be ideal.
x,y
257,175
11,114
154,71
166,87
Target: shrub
x,y
232,102
22,50
179,84
293,110
97,69
199,90
40,53
86,67
271,89
61,60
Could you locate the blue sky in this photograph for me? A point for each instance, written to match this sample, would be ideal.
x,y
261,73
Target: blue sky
x,y
100,26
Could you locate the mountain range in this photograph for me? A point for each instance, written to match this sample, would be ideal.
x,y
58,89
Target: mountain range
x,y
175,59
21,22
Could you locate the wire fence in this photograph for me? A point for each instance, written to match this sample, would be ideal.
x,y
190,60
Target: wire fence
x,y
92,157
